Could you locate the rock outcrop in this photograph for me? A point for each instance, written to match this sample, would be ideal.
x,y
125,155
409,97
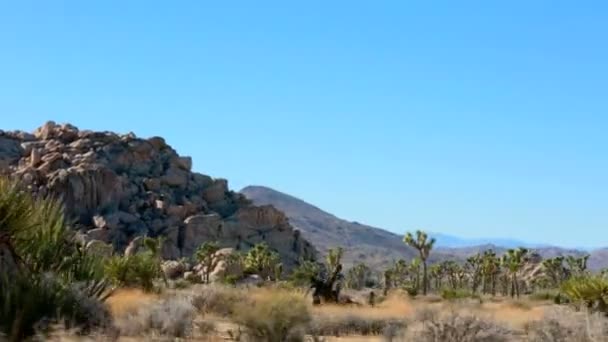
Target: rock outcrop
x,y
119,187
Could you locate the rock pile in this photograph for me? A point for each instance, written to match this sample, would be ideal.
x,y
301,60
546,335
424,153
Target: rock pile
x,y
118,187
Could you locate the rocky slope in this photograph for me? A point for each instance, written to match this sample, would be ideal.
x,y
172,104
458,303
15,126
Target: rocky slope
x,y
375,246
117,187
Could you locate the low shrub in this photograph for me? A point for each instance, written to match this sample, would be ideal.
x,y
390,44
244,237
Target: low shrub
x,y
544,295
453,327
562,324
455,294
275,317
172,317
354,325
217,300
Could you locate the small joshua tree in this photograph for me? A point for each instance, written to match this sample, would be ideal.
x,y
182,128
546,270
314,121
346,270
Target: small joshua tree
x,y
205,254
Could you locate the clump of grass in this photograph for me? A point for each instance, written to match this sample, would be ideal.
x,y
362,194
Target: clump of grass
x,y
455,294
453,327
172,317
354,325
273,317
217,300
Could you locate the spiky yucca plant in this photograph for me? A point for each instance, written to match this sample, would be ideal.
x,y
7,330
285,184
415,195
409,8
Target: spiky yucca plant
x,y
44,274
587,291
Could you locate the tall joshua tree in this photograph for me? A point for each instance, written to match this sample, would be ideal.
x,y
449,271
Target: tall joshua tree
x,y
474,265
423,244
513,261
491,270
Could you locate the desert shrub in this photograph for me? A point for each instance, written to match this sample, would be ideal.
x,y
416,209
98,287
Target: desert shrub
x,y
172,317
180,284
354,325
138,270
455,294
205,328
411,289
544,295
453,327
46,277
275,317
562,324
217,300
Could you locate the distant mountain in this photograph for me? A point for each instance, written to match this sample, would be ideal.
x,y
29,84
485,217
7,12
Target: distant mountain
x,y
374,246
450,241
378,247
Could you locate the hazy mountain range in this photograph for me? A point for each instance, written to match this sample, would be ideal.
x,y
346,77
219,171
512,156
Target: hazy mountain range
x,y
379,247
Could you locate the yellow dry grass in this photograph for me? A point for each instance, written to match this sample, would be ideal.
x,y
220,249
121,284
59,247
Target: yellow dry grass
x,y
395,306
127,300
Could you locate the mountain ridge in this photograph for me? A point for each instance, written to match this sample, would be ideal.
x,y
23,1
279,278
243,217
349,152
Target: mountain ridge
x,y
378,247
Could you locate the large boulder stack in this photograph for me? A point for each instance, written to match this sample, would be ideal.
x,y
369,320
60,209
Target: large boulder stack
x,y
119,187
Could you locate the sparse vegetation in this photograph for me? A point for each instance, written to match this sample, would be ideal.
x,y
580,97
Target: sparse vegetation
x,y
275,317
45,276
137,270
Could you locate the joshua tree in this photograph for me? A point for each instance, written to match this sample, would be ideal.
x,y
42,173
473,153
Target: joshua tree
x,y
513,261
400,272
475,265
328,288
577,266
451,269
423,244
437,273
554,267
205,254
334,258
414,271
357,276
261,260
490,270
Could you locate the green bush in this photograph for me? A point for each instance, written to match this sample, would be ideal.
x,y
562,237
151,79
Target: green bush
x,y
137,270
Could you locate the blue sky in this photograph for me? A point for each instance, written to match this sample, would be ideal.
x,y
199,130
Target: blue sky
x,y
468,118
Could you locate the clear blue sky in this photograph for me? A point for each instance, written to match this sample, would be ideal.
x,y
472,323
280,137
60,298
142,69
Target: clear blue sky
x,y
461,117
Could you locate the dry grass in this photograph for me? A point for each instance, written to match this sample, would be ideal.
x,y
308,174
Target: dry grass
x,y
397,316
126,301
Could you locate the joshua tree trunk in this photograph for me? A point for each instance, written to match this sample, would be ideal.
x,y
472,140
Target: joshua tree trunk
x,y
513,285
425,279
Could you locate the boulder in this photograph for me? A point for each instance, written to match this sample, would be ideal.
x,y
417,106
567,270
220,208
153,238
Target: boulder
x,y
173,269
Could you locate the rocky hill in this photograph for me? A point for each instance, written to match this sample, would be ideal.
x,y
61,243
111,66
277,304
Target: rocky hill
x,y
373,246
376,246
117,187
